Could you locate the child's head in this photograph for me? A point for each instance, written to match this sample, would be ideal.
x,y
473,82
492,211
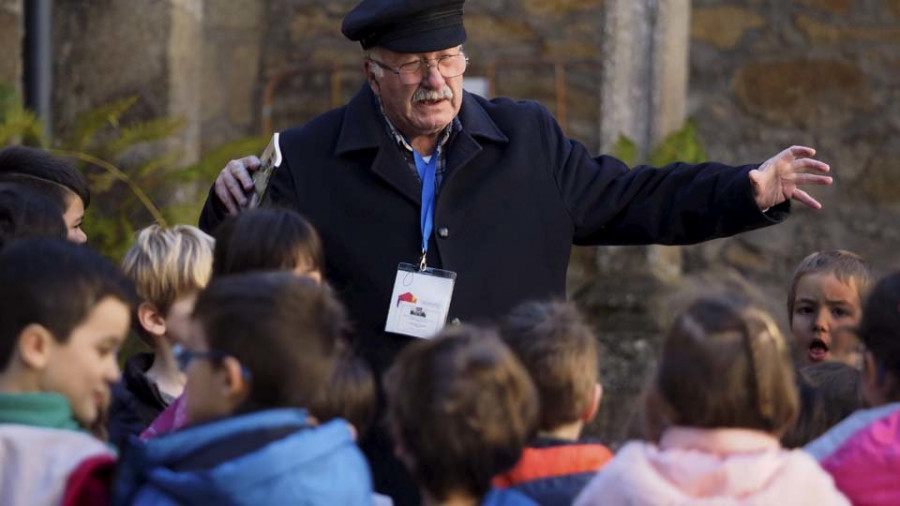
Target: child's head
x,y
880,333
350,394
65,313
25,213
50,175
268,240
260,341
724,364
825,300
461,408
829,392
559,350
169,266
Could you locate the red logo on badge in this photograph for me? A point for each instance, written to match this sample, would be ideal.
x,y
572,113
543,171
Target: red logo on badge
x,y
407,297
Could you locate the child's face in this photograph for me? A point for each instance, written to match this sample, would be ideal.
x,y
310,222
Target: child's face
x,y
84,368
206,386
74,216
178,319
824,310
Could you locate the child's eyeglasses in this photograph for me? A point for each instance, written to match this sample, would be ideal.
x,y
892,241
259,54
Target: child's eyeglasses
x,y
184,356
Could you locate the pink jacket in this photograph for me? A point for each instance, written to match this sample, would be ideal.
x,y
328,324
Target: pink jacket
x,y
862,453
711,467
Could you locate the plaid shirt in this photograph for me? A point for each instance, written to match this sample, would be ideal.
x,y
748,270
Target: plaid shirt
x,y
407,149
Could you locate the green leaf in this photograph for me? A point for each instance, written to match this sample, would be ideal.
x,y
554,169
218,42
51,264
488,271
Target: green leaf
x,y
21,126
145,131
88,124
211,163
680,146
626,150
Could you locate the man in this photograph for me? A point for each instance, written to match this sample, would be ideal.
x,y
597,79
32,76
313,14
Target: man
x,y
512,194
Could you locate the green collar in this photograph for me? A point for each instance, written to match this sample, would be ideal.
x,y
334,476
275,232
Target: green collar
x,y
47,410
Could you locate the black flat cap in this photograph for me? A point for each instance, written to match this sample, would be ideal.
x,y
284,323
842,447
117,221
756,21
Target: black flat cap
x,y
406,26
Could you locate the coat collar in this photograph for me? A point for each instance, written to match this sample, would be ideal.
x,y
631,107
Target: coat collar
x,y
363,127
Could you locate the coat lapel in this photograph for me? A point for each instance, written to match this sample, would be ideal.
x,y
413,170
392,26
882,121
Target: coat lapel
x,y
476,124
362,129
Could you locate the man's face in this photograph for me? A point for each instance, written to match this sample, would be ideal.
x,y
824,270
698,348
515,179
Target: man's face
x,y
84,368
421,109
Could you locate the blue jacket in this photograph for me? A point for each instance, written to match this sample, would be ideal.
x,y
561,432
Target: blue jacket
x,y
269,457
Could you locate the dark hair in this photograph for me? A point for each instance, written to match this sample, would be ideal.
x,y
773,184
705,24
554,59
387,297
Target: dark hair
x,y
725,364
284,329
265,240
39,164
559,351
829,392
350,394
463,407
53,283
846,266
24,213
879,329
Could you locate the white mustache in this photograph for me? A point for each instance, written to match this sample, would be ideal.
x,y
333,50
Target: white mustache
x,y
423,95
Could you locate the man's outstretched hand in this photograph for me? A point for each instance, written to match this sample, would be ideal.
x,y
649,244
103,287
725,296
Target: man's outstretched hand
x,y
780,177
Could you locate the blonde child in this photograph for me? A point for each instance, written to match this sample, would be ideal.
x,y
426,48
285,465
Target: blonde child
x,y
169,267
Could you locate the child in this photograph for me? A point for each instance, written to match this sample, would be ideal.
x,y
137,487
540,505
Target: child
x,y
824,300
268,240
829,392
725,392
460,409
261,346
254,241
350,394
559,351
65,313
861,452
26,213
52,177
169,266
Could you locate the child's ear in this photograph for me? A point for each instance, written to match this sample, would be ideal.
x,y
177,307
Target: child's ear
x,y
594,406
236,385
35,346
151,319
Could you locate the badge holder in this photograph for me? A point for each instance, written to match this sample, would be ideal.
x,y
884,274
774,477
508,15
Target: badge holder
x,y
420,301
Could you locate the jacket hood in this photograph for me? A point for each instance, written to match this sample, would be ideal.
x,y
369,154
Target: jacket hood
x,y
712,467
239,461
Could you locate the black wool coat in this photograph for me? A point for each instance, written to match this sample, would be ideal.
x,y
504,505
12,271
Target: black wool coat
x,y
516,195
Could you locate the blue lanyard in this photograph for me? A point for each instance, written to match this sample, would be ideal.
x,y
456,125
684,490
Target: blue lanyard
x,y
427,173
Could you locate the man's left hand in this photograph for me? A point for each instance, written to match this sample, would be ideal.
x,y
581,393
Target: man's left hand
x,y
779,178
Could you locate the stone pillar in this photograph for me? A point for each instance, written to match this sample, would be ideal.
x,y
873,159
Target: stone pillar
x,y
11,39
622,289
106,51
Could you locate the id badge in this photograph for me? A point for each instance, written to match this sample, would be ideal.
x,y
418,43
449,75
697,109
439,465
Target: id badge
x,y
420,301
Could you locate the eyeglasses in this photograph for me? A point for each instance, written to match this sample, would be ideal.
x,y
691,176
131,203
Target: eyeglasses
x,y
184,357
448,65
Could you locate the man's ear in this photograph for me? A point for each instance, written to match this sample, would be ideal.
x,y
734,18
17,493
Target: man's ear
x,y
151,319
35,345
236,386
594,406
370,77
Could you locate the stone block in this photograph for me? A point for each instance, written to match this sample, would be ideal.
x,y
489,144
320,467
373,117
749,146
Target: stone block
x,y
488,30
11,40
880,183
315,23
723,27
233,14
559,7
802,93
834,6
825,33
893,7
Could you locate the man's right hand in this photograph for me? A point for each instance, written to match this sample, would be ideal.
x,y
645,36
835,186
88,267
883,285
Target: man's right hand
x,y
234,183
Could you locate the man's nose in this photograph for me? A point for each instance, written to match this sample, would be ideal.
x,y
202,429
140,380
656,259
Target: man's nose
x,y
432,78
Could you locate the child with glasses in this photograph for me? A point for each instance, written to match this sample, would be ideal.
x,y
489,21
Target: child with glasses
x,y
169,266
861,453
66,311
722,396
261,346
